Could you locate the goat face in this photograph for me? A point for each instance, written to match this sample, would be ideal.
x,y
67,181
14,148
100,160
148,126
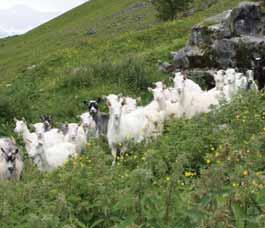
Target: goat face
x,y
179,84
87,120
72,131
159,85
219,78
115,108
20,126
47,121
39,128
10,157
93,107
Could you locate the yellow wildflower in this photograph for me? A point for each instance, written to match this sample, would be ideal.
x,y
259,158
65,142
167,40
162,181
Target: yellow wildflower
x,y
189,174
245,173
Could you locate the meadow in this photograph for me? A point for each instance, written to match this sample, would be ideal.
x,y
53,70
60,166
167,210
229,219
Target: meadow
x,y
203,172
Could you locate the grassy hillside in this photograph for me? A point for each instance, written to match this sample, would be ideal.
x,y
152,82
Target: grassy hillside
x,y
204,172
70,64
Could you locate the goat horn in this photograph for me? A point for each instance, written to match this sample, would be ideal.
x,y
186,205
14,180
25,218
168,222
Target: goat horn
x,y
138,99
28,140
13,139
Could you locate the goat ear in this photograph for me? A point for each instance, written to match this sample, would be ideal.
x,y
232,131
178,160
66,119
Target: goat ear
x,y
13,140
138,99
123,102
40,137
150,89
3,150
171,78
15,119
99,99
85,102
108,103
17,151
23,119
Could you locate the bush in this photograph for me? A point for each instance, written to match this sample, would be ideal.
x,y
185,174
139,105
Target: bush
x,y
167,9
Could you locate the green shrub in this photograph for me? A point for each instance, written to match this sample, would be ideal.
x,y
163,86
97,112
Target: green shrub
x,y
168,9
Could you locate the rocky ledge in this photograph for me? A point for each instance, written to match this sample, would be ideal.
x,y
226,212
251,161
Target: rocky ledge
x,y
230,39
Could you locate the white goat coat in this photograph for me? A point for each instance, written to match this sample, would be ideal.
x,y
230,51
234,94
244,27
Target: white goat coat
x,y
56,156
52,137
89,124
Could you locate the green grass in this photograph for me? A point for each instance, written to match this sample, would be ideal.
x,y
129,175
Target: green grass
x,y
204,172
62,46
208,171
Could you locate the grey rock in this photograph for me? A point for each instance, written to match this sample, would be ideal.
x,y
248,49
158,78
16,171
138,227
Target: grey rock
x,y
224,52
92,32
247,20
228,39
181,60
165,66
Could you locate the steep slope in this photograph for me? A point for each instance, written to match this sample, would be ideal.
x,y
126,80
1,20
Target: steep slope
x,y
68,31
62,61
204,172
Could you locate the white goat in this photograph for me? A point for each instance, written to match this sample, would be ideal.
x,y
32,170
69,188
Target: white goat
x,y
30,139
89,124
11,163
251,82
194,102
124,127
75,134
54,156
130,104
191,85
170,109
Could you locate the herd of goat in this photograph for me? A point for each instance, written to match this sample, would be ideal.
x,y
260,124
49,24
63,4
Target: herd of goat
x,y
49,148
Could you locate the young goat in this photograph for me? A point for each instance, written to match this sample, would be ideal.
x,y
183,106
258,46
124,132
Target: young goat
x,y
11,163
124,127
101,119
88,124
75,134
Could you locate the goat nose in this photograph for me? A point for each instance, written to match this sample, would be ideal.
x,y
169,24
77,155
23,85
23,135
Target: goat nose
x,y
73,137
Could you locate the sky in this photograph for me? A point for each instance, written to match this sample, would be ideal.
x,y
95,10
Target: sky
x,y
20,16
43,5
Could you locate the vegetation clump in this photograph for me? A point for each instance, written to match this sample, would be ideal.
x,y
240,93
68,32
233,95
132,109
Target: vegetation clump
x,y
168,9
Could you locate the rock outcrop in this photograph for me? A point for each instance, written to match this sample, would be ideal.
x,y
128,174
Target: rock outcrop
x,y
229,39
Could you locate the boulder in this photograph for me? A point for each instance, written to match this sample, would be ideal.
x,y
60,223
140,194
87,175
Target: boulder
x,y
226,40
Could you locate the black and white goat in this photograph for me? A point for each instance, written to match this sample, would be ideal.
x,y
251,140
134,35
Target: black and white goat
x,y
11,163
101,119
